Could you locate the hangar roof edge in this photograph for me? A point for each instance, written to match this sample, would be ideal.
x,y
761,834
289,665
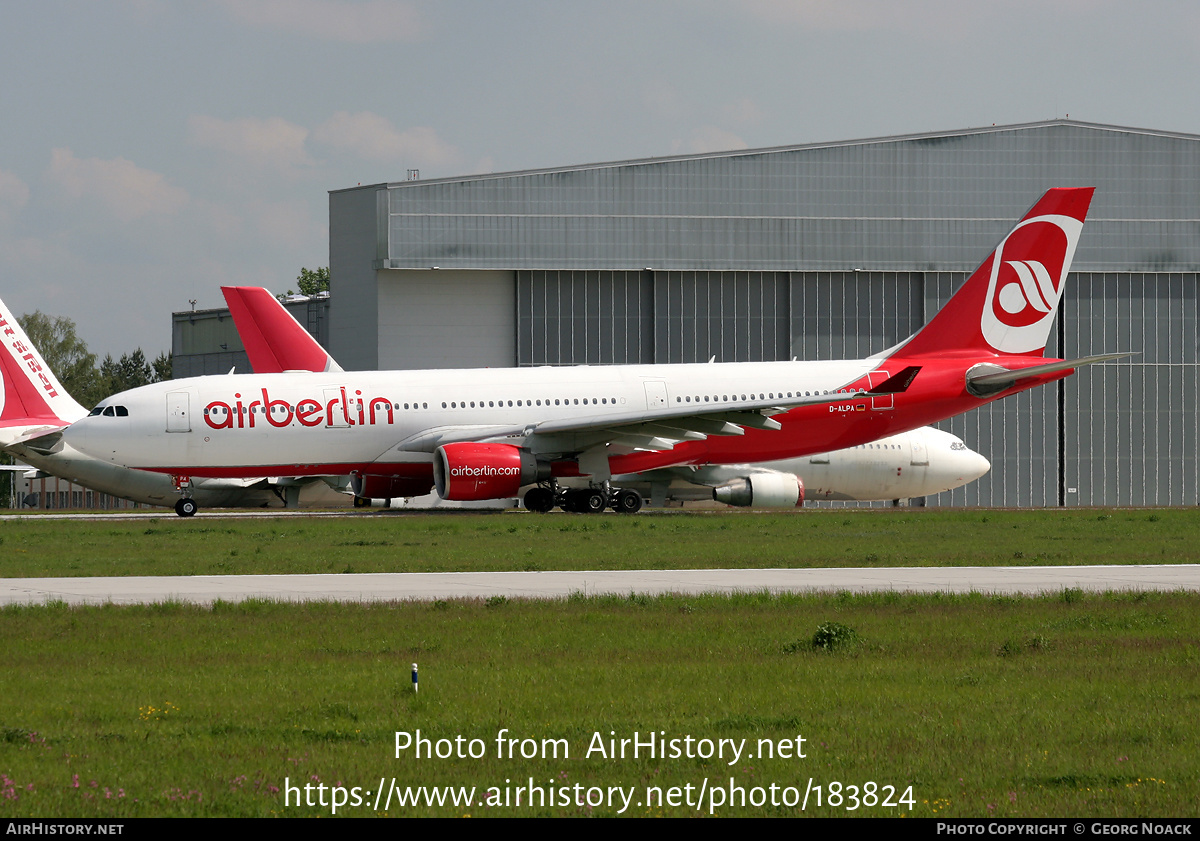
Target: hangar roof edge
x,y
766,150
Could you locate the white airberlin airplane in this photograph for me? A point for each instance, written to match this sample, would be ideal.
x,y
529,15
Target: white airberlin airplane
x,y
483,434
919,463
853,472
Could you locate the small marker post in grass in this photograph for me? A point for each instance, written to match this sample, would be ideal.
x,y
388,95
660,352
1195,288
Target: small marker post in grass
x,y
414,678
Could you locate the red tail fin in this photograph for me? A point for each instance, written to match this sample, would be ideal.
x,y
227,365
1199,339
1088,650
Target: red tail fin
x,y
274,340
1008,305
31,394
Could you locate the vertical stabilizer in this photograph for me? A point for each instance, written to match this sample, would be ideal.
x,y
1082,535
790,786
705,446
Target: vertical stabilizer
x,y
274,340
1007,306
31,395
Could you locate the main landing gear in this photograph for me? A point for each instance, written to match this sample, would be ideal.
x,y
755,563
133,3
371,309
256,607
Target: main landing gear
x,y
185,506
591,500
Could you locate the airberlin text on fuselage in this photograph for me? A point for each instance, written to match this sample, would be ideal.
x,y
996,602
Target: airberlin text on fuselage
x,y
308,411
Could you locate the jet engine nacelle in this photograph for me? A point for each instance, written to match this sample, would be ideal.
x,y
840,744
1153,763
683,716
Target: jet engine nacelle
x,y
764,490
469,471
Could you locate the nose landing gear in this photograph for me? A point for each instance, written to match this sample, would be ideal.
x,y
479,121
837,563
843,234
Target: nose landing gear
x,y
185,506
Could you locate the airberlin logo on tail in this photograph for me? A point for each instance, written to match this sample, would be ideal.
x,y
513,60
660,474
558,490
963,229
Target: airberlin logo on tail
x,y
1027,274
1031,296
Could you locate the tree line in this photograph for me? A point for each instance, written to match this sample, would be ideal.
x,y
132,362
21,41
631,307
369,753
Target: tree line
x,y
76,367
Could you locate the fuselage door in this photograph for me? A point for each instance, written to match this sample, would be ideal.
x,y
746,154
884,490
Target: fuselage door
x,y
179,418
656,394
920,454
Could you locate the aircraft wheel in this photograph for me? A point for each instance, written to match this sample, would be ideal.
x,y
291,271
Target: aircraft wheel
x,y
186,507
628,501
569,502
362,502
540,500
592,502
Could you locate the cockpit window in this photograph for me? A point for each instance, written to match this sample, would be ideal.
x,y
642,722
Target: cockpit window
x,y
109,412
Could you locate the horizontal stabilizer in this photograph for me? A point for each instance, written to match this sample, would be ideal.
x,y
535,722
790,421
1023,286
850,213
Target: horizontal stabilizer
x,y
42,438
987,379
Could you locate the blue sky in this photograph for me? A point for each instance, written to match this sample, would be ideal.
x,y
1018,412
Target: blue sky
x,y
151,151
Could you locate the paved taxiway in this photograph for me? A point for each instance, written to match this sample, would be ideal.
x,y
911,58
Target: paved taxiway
x,y
369,587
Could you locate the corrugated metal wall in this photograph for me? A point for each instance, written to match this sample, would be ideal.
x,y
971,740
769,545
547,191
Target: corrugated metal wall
x,y
1132,429
932,202
840,250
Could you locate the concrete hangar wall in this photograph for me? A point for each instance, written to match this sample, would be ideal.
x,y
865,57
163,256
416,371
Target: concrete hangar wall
x,y
814,251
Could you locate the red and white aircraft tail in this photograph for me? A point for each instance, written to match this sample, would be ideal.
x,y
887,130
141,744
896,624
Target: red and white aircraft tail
x,y
1003,314
274,340
1008,305
32,400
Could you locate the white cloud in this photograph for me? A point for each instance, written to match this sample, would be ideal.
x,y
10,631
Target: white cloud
x,y
374,137
129,191
270,142
14,195
334,20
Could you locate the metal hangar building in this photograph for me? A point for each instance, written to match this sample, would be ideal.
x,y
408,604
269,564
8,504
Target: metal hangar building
x,y
816,251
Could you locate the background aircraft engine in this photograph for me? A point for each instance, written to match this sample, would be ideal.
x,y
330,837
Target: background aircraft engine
x,y
484,471
764,490
369,486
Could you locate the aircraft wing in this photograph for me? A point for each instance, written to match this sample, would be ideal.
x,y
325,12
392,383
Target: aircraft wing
x,y
653,429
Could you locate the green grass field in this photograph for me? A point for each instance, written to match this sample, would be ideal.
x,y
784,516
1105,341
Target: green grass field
x,y
1071,705
405,542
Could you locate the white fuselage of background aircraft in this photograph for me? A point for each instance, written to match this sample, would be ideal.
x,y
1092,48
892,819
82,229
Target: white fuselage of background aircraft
x,y
919,463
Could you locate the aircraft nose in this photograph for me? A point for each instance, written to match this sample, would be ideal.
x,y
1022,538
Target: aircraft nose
x,y
973,465
82,436
956,468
